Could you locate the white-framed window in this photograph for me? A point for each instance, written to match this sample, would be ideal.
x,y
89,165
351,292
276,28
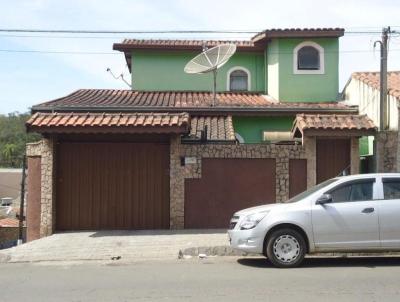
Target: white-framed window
x,y
238,79
308,58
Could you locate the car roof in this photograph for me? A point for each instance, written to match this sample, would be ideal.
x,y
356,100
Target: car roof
x,y
368,175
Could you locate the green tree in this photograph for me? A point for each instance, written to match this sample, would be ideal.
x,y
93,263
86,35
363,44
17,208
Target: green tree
x,y
13,139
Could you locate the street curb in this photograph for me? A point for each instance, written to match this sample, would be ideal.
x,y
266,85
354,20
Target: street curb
x,y
223,250
226,250
4,258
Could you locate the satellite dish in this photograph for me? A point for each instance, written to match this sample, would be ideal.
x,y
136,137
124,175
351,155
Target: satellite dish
x,y
211,60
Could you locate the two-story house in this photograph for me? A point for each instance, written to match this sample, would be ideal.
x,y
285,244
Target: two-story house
x,y
162,156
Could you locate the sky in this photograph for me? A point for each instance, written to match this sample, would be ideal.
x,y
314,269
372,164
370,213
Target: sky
x,y
28,78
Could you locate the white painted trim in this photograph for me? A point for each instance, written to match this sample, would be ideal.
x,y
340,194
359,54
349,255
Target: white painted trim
x,y
321,51
228,78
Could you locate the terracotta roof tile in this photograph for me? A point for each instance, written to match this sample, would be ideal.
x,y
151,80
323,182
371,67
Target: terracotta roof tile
x,y
333,122
298,32
115,100
179,42
219,128
373,79
198,43
42,121
9,222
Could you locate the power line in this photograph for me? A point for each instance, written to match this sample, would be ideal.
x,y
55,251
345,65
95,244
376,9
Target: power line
x,y
116,53
233,31
59,52
80,31
123,37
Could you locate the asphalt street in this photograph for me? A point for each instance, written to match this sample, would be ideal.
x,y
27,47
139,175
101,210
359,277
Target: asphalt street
x,y
212,279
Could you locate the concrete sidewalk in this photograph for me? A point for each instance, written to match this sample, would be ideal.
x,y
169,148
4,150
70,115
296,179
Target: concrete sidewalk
x,y
130,246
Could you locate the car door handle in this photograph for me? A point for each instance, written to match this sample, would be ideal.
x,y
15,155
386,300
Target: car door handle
x,y
368,210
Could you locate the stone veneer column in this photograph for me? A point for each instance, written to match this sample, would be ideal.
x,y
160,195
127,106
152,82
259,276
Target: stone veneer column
x,y
45,149
354,156
282,176
177,198
310,144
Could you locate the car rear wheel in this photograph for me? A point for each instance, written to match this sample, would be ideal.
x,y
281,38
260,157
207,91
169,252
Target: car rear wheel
x,y
286,248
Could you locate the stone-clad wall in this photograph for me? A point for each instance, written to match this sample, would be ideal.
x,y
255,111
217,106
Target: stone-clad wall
x,y
44,149
281,154
390,154
387,145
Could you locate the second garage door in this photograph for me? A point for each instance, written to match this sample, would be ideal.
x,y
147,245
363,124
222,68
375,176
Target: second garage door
x,y
112,186
227,185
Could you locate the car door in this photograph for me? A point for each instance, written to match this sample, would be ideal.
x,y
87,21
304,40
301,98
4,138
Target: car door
x,y
389,213
350,221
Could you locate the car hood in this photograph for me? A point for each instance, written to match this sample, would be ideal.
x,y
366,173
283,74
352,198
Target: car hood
x,y
265,207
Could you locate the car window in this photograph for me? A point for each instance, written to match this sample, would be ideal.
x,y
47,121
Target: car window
x,y
391,188
311,190
357,191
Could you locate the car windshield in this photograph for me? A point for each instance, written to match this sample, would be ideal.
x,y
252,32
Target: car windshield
x,y
311,190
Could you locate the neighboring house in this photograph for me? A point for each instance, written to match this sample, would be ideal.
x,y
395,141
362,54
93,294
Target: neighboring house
x,y
363,90
161,156
9,232
10,183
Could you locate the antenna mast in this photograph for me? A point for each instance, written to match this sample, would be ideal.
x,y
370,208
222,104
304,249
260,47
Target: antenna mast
x,y
210,60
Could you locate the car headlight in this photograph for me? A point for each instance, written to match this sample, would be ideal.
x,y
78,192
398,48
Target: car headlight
x,y
252,220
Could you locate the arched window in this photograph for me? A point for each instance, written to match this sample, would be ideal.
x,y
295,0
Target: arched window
x,y
308,58
238,79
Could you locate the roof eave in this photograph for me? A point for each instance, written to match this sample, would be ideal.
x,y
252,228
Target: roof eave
x,y
297,34
191,109
339,132
128,47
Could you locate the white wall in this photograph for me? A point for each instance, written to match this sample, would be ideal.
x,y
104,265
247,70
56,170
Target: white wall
x,y
367,99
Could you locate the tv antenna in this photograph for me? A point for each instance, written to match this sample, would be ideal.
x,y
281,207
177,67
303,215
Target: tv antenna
x,y
210,60
121,76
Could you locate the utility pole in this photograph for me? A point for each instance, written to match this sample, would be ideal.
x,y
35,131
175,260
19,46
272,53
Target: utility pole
x,y
383,120
22,202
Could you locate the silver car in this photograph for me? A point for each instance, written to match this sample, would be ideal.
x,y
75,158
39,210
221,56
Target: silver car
x,y
357,213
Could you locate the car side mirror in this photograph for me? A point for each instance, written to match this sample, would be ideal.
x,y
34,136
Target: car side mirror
x,y
325,198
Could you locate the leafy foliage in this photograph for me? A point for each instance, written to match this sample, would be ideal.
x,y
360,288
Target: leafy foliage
x,y
13,139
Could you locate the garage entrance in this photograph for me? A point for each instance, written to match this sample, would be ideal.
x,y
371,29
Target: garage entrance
x,y
226,186
112,185
333,157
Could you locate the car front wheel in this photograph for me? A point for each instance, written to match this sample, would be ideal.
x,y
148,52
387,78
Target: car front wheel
x,y
286,248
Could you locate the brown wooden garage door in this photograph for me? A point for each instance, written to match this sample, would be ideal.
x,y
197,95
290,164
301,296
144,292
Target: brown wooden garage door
x,y
112,186
226,186
297,176
333,157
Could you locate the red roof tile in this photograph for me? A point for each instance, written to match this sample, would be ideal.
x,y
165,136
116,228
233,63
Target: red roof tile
x,y
9,222
219,128
177,44
298,33
153,122
305,122
373,79
128,100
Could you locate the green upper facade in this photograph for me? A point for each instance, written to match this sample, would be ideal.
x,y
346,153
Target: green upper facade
x,y
289,65
286,83
163,71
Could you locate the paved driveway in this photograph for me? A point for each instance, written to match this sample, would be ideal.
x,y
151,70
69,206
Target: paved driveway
x,y
103,245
